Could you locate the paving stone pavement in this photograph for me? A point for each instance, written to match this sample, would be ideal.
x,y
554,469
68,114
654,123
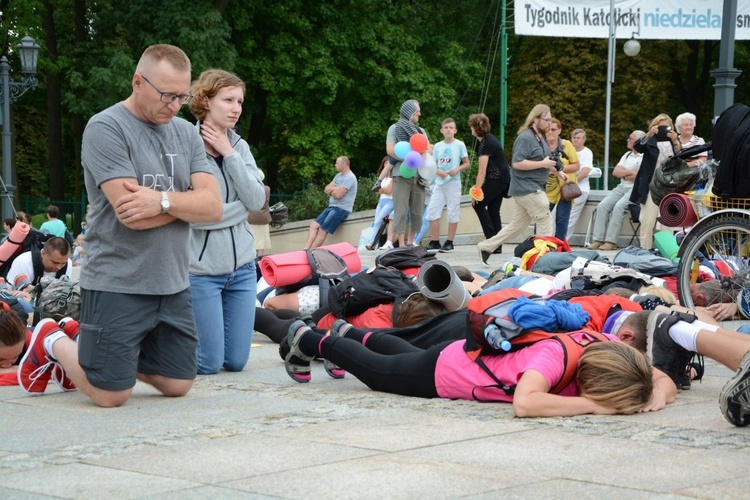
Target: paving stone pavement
x,y
258,434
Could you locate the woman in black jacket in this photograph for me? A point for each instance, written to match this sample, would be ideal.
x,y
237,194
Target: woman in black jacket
x,y
655,148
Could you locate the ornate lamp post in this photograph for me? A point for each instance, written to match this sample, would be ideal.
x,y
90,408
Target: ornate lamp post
x,y
11,90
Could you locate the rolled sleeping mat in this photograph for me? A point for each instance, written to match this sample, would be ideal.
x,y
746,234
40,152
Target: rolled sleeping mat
x,y
439,282
675,210
14,242
667,245
292,267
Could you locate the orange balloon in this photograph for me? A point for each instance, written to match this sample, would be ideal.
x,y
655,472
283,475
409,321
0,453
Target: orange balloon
x,y
419,143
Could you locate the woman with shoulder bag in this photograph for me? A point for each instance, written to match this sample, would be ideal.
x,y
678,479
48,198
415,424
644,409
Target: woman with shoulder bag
x,y
558,204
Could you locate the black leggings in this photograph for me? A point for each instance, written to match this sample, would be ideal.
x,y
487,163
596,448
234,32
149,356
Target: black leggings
x,y
488,210
386,363
443,327
275,323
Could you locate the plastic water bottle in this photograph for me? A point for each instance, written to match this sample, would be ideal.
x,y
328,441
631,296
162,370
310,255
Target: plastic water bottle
x,y
496,338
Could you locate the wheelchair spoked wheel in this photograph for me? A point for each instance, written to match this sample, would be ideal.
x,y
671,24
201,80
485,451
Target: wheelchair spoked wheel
x,y
722,244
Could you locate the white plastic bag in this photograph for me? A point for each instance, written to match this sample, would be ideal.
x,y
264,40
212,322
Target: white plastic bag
x,y
365,238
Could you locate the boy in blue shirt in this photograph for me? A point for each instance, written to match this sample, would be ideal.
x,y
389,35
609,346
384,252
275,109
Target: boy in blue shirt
x,y
451,157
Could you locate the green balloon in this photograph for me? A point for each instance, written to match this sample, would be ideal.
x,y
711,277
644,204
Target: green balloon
x,y
406,172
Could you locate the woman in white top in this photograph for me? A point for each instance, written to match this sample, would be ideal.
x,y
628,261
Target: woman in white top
x,y
586,157
685,124
385,204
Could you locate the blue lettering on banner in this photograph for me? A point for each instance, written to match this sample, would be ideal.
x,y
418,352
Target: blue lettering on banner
x,y
682,19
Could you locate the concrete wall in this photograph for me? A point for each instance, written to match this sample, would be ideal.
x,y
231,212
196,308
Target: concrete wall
x,y
292,236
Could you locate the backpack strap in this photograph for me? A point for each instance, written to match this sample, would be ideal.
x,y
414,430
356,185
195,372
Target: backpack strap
x,y
572,352
36,262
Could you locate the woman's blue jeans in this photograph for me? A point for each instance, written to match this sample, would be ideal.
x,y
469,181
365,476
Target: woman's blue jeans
x,y
224,308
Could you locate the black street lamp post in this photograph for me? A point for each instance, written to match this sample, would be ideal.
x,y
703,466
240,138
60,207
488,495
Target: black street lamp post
x,y
10,90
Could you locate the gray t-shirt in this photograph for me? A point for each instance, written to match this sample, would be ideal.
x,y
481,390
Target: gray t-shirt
x,y
348,181
116,145
528,146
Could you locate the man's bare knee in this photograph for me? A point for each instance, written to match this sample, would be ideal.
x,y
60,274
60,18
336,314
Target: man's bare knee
x,y
170,387
109,399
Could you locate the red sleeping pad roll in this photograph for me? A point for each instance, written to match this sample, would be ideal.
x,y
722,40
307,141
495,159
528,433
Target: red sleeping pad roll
x,y
292,267
13,244
675,210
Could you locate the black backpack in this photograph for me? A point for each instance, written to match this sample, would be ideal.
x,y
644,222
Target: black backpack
x,y
328,269
404,258
731,148
378,285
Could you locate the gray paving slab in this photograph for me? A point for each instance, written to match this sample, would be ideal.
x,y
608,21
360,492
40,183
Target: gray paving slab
x,y
257,434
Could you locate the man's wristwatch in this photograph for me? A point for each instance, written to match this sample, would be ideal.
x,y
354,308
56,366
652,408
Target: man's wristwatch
x,y
165,203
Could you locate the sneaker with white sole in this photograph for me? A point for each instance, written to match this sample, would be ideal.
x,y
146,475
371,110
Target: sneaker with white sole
x,y
388,246
447,247
35,368
734,399
71,328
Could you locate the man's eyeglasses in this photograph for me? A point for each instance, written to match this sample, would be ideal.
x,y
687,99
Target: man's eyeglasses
x,y
548,120
169,97
630,139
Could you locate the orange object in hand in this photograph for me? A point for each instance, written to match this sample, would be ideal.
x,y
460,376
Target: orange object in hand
x,y
476,193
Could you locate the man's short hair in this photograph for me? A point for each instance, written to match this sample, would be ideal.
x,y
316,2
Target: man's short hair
x,y
579,131
638,324
56,244
53,211
447,121
163,52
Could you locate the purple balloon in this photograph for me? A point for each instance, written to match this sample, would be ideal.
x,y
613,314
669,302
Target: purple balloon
x,y
413,160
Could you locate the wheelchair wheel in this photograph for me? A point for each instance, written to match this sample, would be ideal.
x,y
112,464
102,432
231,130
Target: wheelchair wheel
x,y
723,245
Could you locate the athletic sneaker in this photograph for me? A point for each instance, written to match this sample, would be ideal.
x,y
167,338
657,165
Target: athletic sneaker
x,y
71,328
36,365
665,353
377,186
297,363
433,245
484,256
338,329
388,246
734,399
447,247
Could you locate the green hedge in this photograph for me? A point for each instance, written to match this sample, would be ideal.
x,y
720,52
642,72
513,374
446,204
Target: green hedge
x,y
311,201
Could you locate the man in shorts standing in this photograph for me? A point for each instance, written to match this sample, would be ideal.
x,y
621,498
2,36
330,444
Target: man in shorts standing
x,y
341,191
147,178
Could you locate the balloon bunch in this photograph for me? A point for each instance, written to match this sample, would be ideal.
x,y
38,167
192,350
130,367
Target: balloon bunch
x,y
411,153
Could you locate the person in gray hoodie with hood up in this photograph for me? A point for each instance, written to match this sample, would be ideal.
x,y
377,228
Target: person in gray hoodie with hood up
x,y
223,279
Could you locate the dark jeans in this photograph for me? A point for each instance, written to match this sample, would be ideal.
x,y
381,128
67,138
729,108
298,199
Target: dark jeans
x,y
488,210
562,218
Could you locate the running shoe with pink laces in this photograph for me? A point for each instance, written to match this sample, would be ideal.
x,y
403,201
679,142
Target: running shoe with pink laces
x,y
36,366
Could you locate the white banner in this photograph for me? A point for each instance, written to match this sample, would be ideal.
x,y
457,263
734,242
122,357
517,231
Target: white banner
x,y
655,19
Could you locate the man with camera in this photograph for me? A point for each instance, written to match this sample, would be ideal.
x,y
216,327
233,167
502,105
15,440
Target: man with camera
x,y
528,179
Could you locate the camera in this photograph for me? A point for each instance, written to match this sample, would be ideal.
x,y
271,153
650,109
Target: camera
x,y
661,135
556,156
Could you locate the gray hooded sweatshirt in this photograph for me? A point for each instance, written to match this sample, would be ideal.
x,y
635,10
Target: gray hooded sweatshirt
x,y
223,247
